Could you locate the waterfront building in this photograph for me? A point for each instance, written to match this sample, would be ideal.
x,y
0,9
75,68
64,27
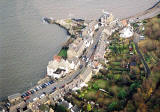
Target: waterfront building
x,y
59,67
15,97
76,48
22,106
106,19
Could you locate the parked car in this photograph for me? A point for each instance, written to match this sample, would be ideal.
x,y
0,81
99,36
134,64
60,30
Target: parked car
x,y
29,92
23,95
32,91
36,89
27,97
43,95
51,82
26,94
35,99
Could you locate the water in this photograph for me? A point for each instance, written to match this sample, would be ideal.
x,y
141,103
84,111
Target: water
x,y
26,45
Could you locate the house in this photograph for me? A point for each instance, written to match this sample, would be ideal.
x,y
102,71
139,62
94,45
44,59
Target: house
x,y
100,51
106,19
20,106
74,62
59,67
88,41
92,26
107,31
126,32
86,75
34,106
124,22
76,48
15,97
66,104
75,109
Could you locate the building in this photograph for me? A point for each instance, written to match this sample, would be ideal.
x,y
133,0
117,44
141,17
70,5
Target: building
x,y
15,97
106,19
126,32
76,48
86,75
101,48
88,41
59,67
22,106
107,31
92,26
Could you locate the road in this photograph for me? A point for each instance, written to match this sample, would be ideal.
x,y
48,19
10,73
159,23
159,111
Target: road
x,y
69,78
147,69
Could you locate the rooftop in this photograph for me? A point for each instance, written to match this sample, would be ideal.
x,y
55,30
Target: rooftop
x,y
14,96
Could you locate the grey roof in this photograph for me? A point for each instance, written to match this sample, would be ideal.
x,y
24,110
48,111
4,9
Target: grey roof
x,y
14,96
75,108
65,104
85,74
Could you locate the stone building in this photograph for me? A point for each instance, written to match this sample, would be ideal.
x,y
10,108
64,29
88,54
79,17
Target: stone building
x,y
15,97
76,48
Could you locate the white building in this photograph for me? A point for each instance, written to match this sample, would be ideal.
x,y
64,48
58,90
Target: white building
x,y
60,67
106,19
88,41
127,32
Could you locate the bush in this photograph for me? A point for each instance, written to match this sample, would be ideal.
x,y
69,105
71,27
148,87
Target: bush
x,y
113,106
122,94
117,77
133,87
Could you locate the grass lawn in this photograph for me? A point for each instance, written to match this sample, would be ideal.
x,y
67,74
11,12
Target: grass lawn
x,y
63,53
90,94
102,83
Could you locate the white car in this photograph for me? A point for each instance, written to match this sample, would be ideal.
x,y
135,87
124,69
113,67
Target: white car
x,y
42,96
35,99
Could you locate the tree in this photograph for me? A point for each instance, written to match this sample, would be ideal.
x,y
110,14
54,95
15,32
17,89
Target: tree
x,y
133,87
95,86
113,106
122,94
60,108
89,108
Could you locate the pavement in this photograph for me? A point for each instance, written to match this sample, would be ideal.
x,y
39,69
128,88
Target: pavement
x,y
69,78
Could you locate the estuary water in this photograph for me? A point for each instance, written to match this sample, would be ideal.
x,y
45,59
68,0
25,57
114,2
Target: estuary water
x,y
26,44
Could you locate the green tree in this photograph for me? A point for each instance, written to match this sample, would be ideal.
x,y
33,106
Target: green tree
x,y
95,86
113,106
122,94
133,87
60,108
89,108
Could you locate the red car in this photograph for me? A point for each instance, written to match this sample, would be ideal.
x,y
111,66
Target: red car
x,y
29,92
27,97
